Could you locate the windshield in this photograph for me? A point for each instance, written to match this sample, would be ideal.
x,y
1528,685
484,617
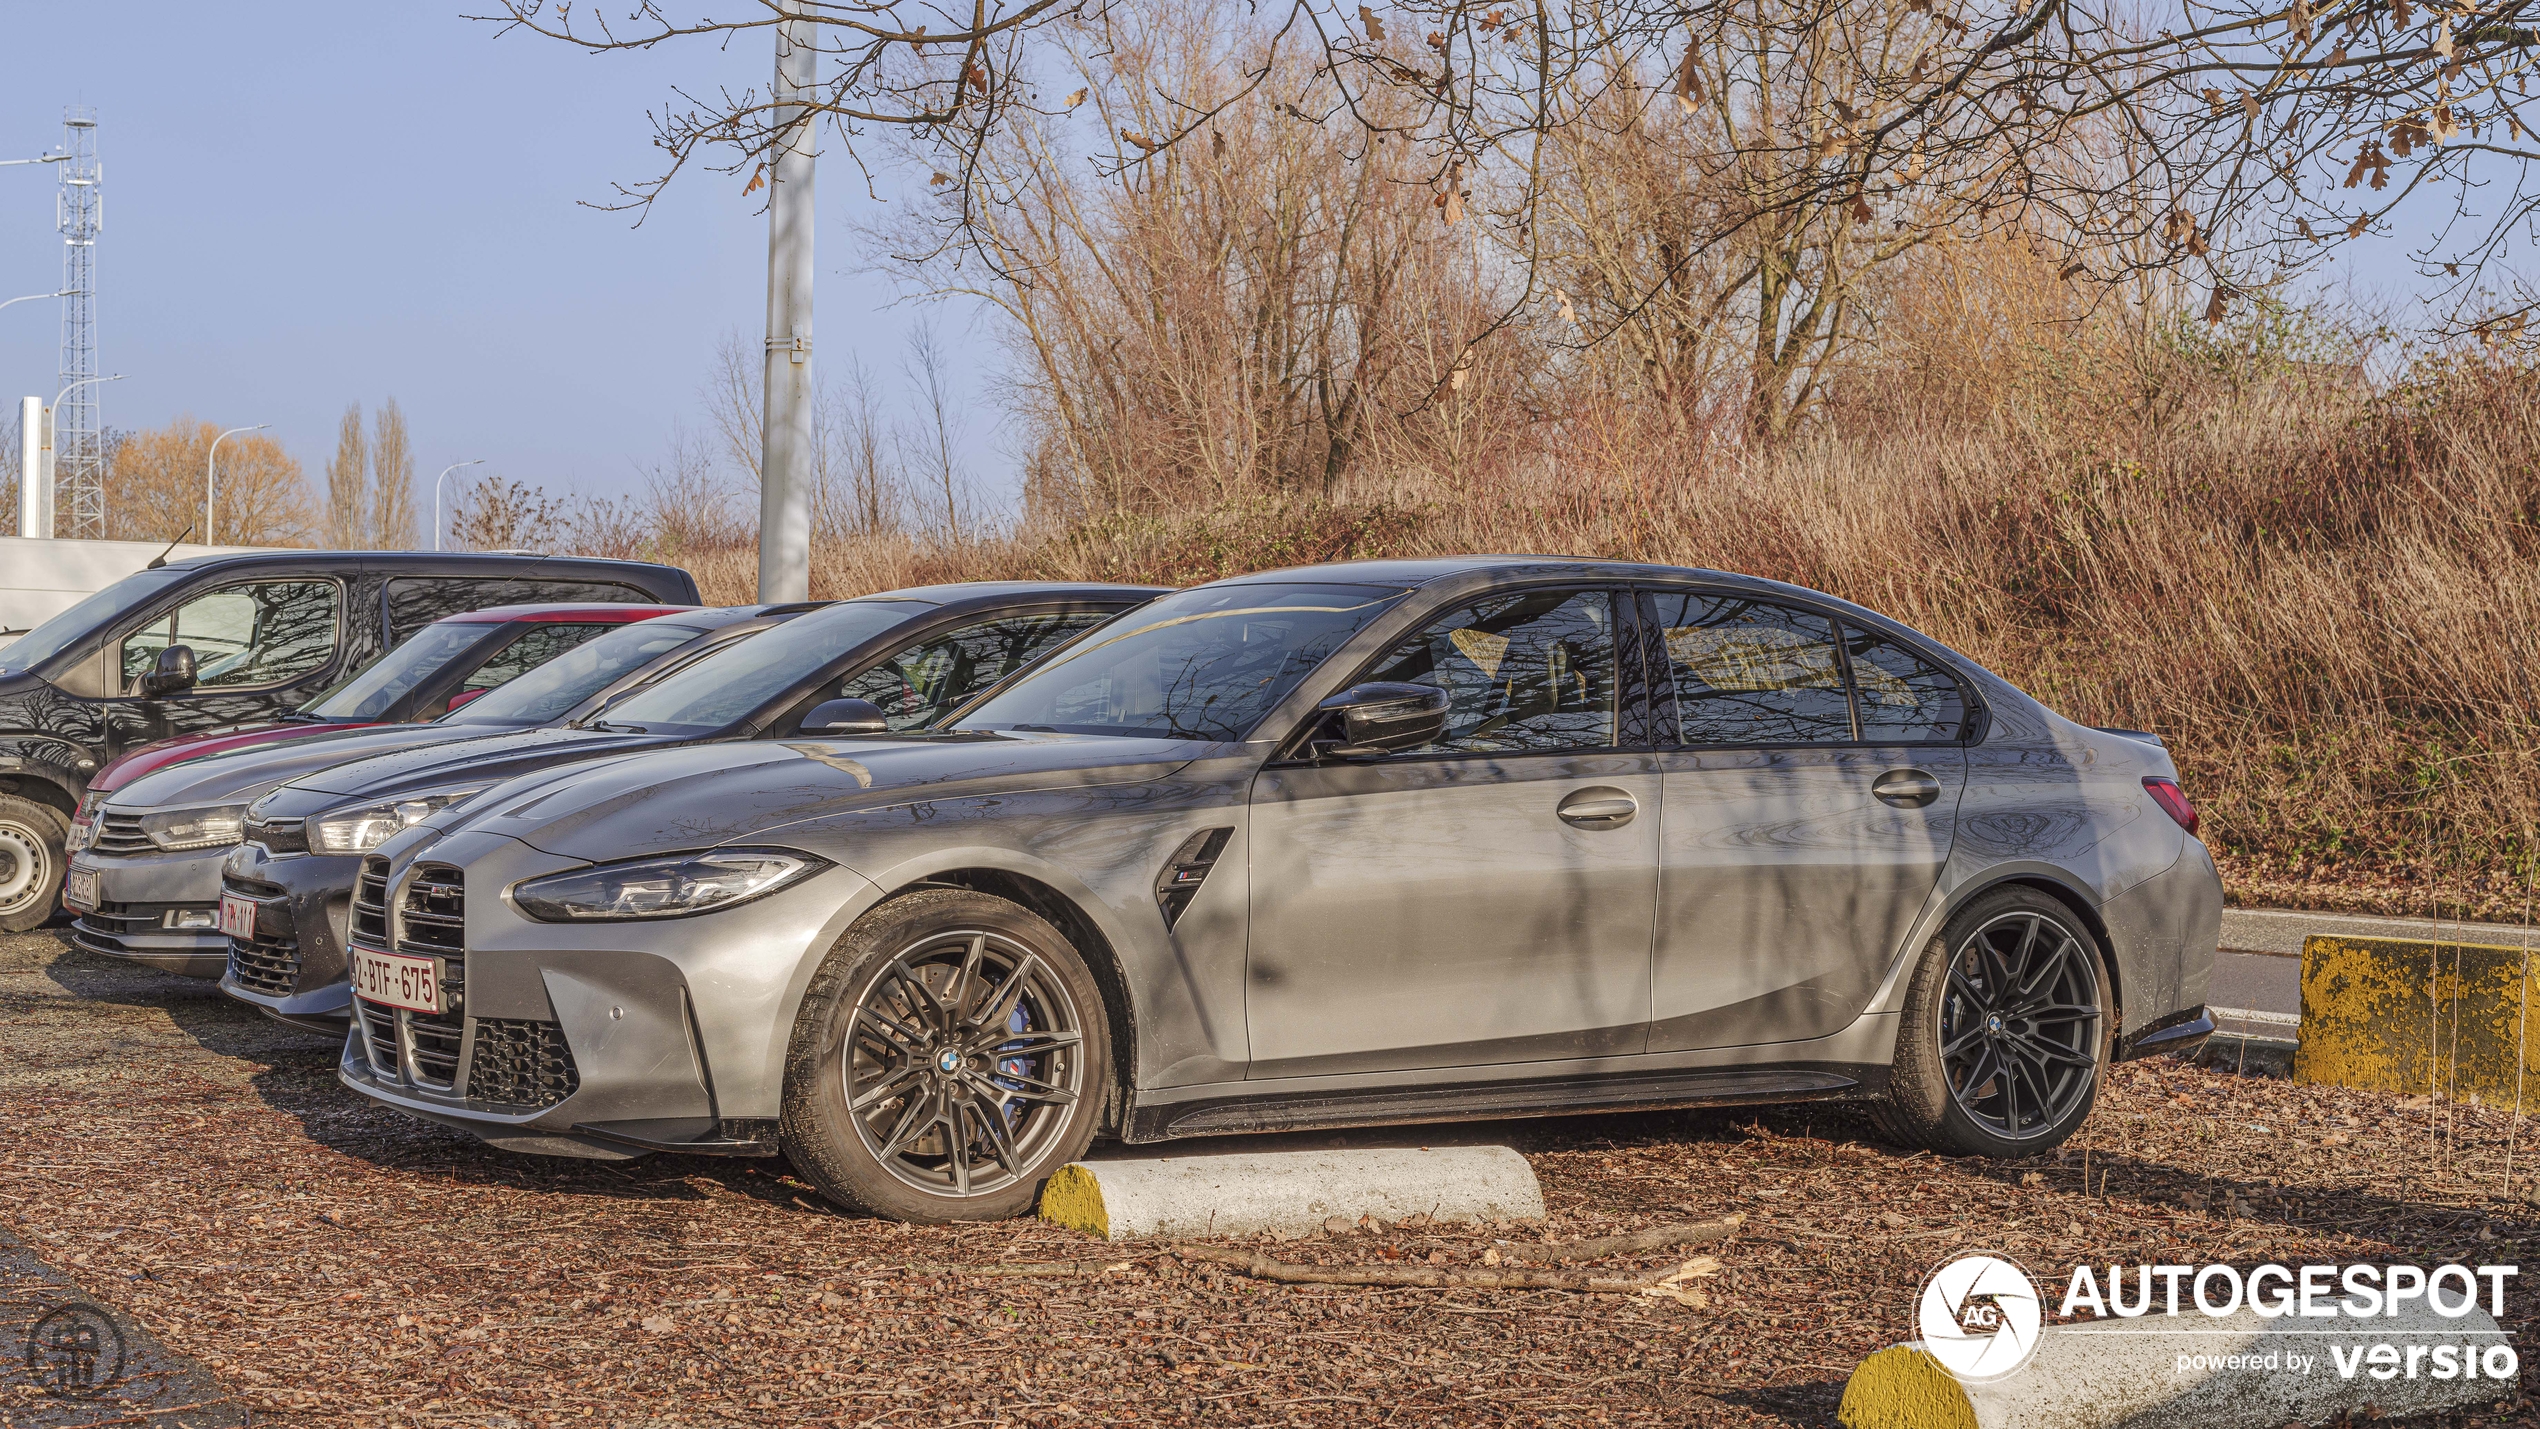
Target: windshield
x,y
373,692
567,680
1203,664
84,619
731,684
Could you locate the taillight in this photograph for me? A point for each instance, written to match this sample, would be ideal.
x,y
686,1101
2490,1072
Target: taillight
x,y
2173,802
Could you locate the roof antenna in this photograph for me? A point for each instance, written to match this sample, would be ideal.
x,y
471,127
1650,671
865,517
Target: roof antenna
x,y
161,559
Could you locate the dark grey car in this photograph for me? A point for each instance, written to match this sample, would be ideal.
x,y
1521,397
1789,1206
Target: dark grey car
x,y
1392,841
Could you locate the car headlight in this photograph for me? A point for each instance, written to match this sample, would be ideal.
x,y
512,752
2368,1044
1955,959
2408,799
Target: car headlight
x,y
196,828
669,887
364,827
84,823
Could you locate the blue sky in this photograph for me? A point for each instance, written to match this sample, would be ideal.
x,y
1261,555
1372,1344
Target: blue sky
x,y
315,204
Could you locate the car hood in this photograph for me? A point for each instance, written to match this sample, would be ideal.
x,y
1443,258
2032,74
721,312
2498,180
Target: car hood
x,y
703,795
151,758
487,758
246,772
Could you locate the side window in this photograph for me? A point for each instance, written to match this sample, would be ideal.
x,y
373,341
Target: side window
x,y
921,683
1750,672
539,645
1904,699
243,636
414,602
1526,672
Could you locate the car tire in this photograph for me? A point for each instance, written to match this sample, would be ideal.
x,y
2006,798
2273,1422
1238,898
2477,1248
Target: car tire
x,y
901,1068
2006,1032
31,863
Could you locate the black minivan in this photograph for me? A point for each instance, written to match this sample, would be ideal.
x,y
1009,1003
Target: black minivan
x,y
213,642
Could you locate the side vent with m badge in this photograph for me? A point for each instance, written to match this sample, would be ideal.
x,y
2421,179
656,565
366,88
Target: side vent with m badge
x,y
1187,870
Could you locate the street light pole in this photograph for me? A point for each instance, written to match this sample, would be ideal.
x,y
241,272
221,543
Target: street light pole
x,y
436,496
784,512
31,297
211,468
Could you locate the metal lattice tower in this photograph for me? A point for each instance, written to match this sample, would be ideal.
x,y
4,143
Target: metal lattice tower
x,y
79,451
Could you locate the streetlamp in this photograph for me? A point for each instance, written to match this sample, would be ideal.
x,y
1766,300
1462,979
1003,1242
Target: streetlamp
x,y
211,466
31,297
436,496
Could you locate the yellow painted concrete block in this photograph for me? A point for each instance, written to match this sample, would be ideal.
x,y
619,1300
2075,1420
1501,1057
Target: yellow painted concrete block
x,y
2416,1017
1903,1387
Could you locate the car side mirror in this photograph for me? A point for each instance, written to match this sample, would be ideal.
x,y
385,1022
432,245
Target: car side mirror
x,y
173,674
837,719
1381,717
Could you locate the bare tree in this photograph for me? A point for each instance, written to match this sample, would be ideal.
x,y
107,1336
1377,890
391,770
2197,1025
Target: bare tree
x,y
348,485
928,370
392,524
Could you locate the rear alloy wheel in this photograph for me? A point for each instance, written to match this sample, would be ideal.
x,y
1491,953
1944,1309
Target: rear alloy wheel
x,y
31,863
951,1053
2005,1033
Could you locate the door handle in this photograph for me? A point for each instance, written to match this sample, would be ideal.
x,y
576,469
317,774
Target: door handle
x,y
1905,788
1601,807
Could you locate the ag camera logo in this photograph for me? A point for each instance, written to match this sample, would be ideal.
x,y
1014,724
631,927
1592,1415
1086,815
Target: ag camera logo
x,y
1980,1317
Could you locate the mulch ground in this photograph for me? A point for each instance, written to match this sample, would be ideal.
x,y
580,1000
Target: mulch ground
x,y
200,1172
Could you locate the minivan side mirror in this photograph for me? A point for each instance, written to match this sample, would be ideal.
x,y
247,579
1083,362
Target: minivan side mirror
x,y
838,719
1381,717
173,674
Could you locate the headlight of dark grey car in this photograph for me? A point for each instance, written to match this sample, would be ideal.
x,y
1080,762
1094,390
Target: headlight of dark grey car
x,y
364,827
669,887
210,827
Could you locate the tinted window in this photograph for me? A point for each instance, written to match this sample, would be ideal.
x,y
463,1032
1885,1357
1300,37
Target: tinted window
x,y
916,686
1904,699
375,691
737,680
558,685
84,619
1750,672
1525,672
416,601
536,646
243,636
1201,664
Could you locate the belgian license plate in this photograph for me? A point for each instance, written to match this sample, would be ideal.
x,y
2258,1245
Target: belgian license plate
x,y
79,889
238,917
397,980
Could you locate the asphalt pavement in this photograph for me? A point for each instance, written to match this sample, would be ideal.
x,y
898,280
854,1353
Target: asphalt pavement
x,y
2259,967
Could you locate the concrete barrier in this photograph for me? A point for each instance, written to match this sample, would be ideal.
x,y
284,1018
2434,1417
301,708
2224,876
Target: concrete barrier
x,y
1289,1193
2240,1371
2418,1016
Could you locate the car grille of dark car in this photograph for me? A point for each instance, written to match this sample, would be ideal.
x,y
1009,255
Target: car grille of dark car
x,y
121,833
432,917
265,963
279,836
517,1063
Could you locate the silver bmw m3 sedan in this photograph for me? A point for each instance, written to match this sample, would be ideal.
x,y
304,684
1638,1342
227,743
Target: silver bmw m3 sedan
x,y
1381,842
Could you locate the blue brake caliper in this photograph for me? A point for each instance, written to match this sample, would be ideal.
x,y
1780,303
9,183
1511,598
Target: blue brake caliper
x,y
1017,1024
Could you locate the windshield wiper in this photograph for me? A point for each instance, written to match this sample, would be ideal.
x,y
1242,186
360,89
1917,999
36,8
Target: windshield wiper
x,y
607,728
303,717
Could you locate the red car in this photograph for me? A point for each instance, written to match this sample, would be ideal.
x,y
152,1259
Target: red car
x,y
439,669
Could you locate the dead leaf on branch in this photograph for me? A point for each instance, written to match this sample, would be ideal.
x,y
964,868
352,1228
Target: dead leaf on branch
x,y
2370,161
1689,79
2362,222
1142,141
1077,98
2218,305
1861,208
1375,27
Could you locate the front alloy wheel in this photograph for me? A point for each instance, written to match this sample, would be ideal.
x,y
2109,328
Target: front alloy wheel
x,y
2005,1031
965,1057
950,1054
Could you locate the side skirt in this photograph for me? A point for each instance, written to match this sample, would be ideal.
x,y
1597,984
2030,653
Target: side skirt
x,y
1400,1106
